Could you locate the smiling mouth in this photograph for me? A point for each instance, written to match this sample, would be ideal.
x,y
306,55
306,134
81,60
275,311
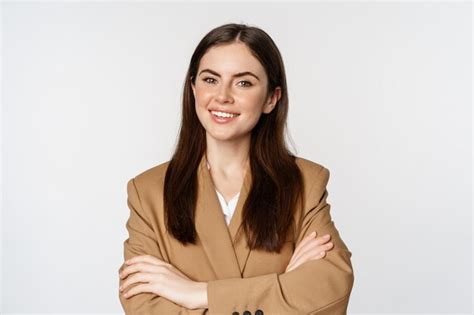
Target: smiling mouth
x,y
223,119
223,114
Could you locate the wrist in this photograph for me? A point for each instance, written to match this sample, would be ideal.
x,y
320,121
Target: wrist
x,y
201,295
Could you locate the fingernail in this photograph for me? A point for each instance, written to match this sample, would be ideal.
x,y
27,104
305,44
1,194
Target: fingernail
x,y
312,234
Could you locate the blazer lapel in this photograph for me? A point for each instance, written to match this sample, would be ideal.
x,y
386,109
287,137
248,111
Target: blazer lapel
x,y
227,251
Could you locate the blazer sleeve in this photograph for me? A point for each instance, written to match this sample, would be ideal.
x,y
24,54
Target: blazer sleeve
x,y
318,286
142,241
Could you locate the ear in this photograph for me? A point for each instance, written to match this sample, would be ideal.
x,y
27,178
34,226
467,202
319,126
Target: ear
x,y
272,100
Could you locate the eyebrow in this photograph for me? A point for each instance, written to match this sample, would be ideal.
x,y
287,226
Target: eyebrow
x,y
240,74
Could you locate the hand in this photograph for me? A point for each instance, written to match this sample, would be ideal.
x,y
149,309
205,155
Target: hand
x,y
158,277
309,249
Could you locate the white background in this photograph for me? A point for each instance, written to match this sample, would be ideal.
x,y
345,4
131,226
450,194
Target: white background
x,y
380,94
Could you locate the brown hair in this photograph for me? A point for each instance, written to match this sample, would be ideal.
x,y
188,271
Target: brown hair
x,y
277,183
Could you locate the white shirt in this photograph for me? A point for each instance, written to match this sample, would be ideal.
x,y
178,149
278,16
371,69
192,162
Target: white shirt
x,y
227,208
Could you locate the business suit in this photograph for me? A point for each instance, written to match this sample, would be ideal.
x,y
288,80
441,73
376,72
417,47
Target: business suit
x,y
239,280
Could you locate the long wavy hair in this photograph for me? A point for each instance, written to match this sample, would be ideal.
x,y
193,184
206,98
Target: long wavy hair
x,y
277,183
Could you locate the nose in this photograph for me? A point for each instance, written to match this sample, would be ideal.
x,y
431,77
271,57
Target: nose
x,y
224,95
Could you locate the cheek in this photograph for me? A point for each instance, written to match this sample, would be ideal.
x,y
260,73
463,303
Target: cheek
x,y
251,104
202,97
200,112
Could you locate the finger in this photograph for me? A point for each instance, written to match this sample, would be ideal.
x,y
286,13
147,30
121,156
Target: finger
x,y
143,277
136,267
313,252
141,288
312,249
302,247
304,241
303,257
320,256
144,258
303,260
315,248
319,240
290,267
120,272
130,269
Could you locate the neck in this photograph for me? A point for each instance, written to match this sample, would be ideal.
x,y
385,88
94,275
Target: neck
x,y
228,157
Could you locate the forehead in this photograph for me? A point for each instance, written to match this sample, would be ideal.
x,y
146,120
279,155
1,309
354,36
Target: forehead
x,y
231,58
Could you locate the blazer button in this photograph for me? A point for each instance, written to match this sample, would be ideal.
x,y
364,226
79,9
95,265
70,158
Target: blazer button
x,y
246,313
235,313
258,312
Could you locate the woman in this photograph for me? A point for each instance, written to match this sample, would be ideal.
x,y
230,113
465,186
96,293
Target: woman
x,y
225,226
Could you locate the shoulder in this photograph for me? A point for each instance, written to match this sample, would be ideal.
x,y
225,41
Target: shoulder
x,y
151,179
315,178
153,172
311,170
307,165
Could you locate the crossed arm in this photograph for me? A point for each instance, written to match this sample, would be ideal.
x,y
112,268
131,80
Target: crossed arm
x,y
317,287
141,241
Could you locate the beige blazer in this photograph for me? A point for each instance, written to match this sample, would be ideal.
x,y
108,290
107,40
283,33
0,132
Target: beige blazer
x,y
240,281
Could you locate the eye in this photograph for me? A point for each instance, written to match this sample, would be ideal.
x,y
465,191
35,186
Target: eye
x,y
206,79
248,84
212,81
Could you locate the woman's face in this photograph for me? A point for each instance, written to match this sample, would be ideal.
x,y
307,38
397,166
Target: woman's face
x,y
230,79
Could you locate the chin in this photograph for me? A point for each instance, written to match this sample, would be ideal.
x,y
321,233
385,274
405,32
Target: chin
x,y
226,136
221,137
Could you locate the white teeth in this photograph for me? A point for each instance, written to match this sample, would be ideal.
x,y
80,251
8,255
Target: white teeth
x,y
223,114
